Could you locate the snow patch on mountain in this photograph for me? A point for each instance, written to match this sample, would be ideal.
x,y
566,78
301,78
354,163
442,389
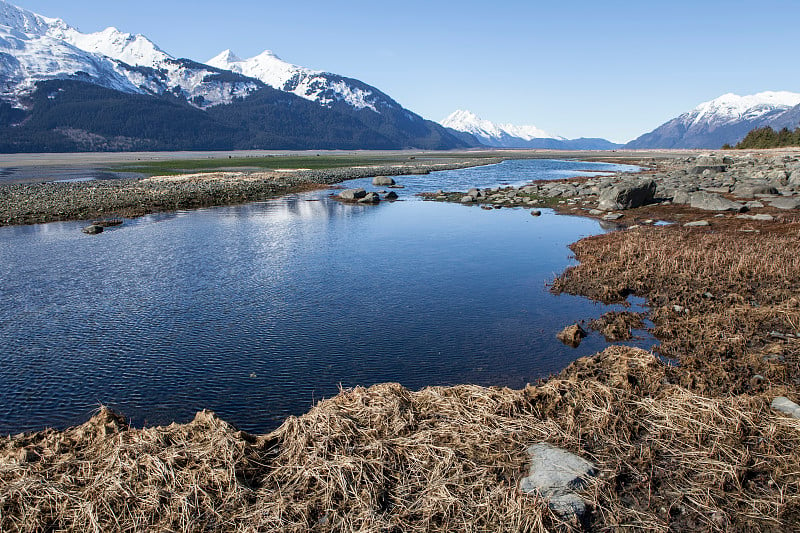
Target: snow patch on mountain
x,y
318,86
135,50
28,54
732,107
468,122
726,119
34,48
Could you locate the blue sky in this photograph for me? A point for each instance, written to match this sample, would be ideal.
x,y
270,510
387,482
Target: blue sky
x,y
613,69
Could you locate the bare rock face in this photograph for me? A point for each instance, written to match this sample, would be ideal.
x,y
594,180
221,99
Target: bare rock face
x,y
556,475
572,335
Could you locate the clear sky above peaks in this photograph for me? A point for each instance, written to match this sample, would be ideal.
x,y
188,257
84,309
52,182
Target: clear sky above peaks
x,y
613,69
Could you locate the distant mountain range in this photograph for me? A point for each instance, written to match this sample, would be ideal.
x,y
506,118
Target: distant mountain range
x,y
63,90
511,136
726,119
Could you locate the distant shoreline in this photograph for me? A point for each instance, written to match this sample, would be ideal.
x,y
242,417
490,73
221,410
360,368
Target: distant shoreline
x,y
36,203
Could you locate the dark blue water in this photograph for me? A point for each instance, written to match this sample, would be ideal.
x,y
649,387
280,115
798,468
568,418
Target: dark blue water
x,y
257,311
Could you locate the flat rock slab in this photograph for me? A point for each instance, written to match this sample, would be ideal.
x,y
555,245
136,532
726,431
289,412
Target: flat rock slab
x,y
785,203
713,202
786,406
556,475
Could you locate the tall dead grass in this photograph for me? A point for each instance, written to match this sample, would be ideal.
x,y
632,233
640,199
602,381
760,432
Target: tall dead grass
x,y
738,295
440,459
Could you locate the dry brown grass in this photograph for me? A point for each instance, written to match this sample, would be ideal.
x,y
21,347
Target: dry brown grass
x,y
735,290
441,459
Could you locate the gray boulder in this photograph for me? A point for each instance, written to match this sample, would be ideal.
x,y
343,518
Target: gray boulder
x,y
352,194
711,163
556,475
786,406
370,198
713,202
94,229
469,199
750,191
391,195
681,196
627,195
786,203
382,181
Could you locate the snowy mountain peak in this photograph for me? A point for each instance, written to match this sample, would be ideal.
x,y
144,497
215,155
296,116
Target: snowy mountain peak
x,y
315,85
225,57
26,21
726,119
734,107
132,49
469,122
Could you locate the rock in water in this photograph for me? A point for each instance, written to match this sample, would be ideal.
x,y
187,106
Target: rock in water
x,y
382,181
391,195
572,335
627,195
370,198
556,475
352,194
94,229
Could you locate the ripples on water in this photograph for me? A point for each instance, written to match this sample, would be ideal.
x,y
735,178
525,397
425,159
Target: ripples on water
x,y
257,311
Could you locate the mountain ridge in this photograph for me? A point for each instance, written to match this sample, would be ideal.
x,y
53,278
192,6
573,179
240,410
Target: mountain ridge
x,y
724,120
47,63
513,136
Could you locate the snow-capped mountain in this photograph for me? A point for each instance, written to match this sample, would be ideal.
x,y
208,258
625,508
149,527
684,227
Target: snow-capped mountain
x,y
513,136
322,87
63,90
490,133
726,119
34,48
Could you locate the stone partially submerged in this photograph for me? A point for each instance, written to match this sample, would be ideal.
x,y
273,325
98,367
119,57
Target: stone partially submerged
x,y
572,335
557,475
352,194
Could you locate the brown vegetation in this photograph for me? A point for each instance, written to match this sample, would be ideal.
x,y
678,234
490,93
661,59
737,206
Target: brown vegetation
x,y
726,305
441,459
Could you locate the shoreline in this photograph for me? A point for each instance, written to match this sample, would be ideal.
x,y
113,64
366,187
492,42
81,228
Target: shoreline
x,y
37,203
690,447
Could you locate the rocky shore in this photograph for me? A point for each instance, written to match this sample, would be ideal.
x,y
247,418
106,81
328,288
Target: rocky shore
x,y
756,187
49,202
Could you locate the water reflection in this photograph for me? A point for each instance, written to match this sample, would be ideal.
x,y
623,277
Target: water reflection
x,y
255,311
